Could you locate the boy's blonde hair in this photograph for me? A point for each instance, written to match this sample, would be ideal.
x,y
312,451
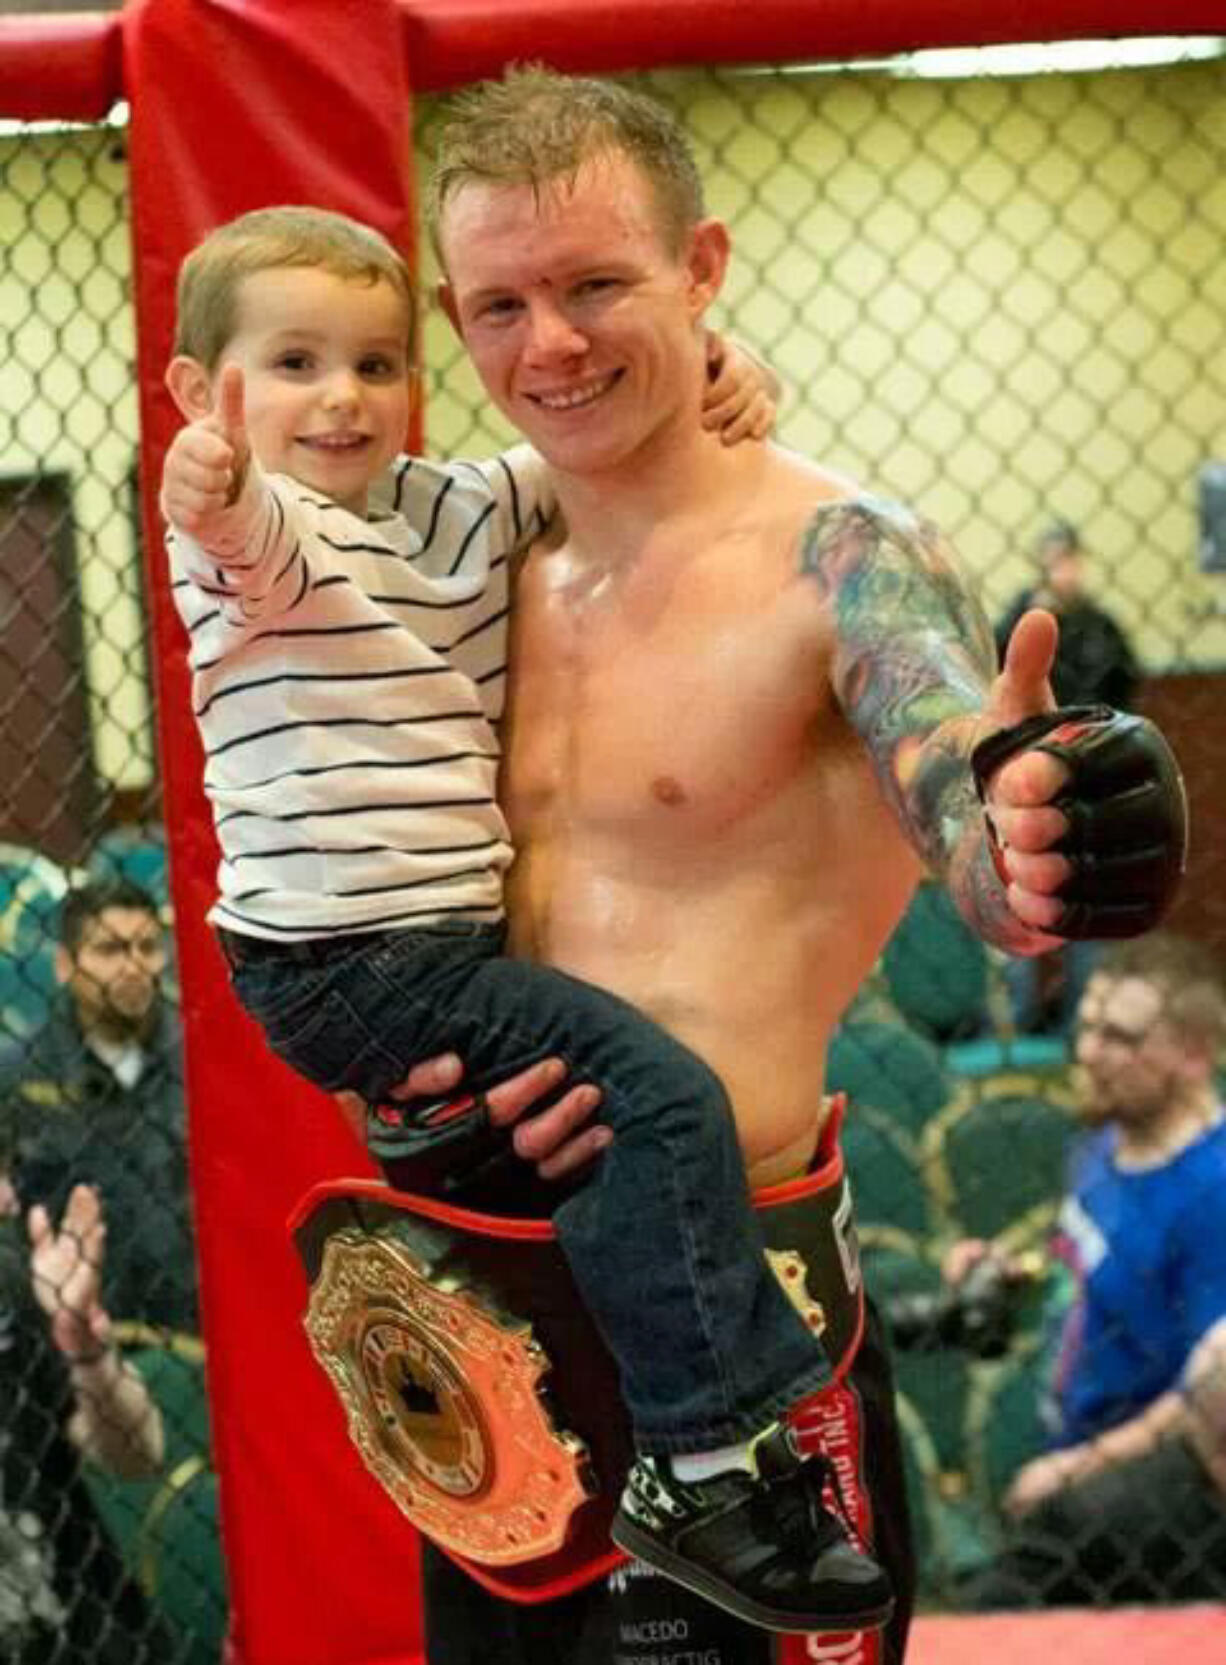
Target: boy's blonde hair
x,y
535,126
261,241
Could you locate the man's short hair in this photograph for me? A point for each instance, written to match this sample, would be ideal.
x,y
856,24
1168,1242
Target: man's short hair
x,y
534,126
1188,975
267,239
84,902
1058,535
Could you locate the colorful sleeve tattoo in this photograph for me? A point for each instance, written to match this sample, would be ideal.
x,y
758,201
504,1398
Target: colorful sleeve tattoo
x,y
913,662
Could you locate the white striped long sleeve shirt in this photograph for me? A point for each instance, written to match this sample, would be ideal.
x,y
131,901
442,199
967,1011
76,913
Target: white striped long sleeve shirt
x,y
345,676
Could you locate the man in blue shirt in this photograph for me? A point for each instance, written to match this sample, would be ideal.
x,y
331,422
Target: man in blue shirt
x,y
1129,1504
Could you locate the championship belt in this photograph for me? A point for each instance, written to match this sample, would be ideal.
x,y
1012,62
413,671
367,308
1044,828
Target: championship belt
x,y
476,1387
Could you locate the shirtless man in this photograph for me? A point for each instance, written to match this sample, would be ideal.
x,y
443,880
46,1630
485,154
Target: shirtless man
x,y
744,705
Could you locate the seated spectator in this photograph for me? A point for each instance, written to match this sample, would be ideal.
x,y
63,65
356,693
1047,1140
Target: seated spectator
x,y
96,1096
1094,665
66,1396
1129,1504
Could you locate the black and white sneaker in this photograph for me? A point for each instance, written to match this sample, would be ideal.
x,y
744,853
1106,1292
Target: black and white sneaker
x,y
763,1546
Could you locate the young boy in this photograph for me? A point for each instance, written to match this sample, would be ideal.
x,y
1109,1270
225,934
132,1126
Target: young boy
x,y
348,661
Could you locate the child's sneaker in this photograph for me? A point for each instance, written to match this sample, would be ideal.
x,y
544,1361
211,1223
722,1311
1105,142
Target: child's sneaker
x,y
763,1545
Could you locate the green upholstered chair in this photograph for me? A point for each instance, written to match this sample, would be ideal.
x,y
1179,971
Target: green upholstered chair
x,y
1004,1428
137,853
885,1167
998,1152
936,969
896,1263
891,1068
952,1536
167,1526
923,1472
31,889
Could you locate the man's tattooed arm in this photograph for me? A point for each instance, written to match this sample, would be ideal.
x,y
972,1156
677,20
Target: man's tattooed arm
x,y
914,660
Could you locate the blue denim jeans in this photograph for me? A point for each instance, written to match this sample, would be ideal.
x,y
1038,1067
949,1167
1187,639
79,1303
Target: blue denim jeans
x,y
661,1237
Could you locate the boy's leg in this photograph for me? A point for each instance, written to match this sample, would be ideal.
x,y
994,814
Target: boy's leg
x,y
634,1614
668,1258
662,1240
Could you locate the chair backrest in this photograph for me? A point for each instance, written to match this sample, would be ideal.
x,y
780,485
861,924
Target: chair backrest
x,y
32,886
167,1526
998,1153
936,968
896,1262
886,1171
137,853
1004,1427
891,1068
922,1468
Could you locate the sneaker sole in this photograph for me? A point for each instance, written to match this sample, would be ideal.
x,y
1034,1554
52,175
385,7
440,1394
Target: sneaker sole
x,y
627,1536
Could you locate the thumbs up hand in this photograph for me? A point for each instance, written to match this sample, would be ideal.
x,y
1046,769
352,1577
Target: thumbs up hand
x,y
207,464
1019,795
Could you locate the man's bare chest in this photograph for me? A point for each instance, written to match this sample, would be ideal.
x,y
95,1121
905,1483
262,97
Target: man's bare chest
x,y
694,708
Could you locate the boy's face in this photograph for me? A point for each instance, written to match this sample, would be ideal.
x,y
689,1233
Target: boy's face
x,y
326,369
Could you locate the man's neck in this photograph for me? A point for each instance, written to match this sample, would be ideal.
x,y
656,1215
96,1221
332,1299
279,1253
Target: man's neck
x,y
1158,1140
116,1031
611,515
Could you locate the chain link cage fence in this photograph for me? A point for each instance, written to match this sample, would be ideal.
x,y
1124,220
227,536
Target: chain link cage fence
x,y
115,1558
1000,299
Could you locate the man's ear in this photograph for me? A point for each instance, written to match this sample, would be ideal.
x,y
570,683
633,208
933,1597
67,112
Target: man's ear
x,y
445,295
191,387
707,263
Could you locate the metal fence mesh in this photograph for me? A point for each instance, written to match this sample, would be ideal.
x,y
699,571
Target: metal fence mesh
x,y
1001,300
94,1565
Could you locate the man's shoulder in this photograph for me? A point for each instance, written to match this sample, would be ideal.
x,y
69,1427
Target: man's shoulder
x,y
828,498
1208,1156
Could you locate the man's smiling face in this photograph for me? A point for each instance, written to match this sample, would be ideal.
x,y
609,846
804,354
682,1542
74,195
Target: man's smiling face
x,y
581,317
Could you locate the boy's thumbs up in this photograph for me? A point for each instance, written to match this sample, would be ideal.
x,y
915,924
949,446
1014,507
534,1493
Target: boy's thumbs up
x,y
228,419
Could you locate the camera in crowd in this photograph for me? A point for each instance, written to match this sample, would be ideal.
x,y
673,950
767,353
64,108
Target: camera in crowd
x,y
978,1314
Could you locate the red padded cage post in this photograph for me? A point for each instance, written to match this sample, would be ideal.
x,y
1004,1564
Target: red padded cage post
x,y
240,104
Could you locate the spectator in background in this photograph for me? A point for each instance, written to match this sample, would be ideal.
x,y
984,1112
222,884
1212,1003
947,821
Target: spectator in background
x,y
1094,665
1130,1502
65,1396
96,1096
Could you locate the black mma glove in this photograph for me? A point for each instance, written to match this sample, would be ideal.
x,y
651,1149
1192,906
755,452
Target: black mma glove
x,y
1127,815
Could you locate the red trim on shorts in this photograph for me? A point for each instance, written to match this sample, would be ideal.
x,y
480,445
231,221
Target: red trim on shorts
x,y
831,1424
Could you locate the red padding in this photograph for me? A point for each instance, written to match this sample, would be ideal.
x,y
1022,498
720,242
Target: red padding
x,y
1154,1636
238,104
60,68
449,42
